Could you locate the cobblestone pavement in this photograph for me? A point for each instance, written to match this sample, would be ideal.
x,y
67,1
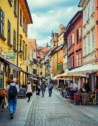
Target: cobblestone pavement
x,y
54,111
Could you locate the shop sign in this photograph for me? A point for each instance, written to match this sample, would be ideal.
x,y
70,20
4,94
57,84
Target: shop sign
x,y
27,62
8,55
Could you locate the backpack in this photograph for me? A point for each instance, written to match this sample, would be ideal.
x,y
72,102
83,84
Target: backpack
x,y
12,91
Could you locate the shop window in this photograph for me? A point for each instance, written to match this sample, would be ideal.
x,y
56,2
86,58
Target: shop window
x,y
9,27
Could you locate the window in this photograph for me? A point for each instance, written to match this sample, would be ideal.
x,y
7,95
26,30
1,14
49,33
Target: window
x,y
72,62
10,2
9,31
88,14
61,54
93,2
73,38
41,73
84,47
1,22
70,41
14,41
20,16
80,33
77,59
93,42
58,55
41,66
34,71
77,36
25,52
15,6
20,45
88,44
80,59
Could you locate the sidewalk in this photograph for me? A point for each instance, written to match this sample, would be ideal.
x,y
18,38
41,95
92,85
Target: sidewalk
x,y
89,110
21,113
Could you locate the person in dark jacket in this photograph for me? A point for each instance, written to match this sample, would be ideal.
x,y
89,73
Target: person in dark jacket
x,y
43,87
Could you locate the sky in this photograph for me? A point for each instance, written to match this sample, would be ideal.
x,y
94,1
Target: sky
x,y
47,16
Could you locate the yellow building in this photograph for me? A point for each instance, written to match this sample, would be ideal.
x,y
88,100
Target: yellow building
x,y
14,18
42,70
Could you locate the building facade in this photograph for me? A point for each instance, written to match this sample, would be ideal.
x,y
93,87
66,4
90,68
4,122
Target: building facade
x,y
14,17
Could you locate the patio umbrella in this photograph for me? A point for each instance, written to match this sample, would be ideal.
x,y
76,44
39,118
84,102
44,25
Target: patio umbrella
x,y
89,68
66,75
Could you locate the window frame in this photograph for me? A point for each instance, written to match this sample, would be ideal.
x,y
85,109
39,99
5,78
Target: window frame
x,y
14,40
9,31
2,22
15,7
77,58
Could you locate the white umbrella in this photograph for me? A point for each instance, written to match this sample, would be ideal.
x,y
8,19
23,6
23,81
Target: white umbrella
x,y
89,68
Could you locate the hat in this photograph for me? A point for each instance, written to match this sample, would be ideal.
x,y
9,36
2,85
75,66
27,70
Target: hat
x,y
43,79
14,79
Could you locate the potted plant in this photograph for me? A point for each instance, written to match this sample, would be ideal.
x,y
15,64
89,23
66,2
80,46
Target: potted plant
x,y
3,94
9,81
86,87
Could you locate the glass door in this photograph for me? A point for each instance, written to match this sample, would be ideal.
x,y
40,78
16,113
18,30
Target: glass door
x,y
1,81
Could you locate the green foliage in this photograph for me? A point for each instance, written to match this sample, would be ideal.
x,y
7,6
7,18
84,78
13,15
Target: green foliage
x,y
9,81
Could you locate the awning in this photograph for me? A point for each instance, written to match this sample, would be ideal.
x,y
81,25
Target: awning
x,y
61,71
11,65
34,78
89,68
66,75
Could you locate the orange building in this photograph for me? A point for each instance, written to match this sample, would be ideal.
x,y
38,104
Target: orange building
x,y
61,40
75,42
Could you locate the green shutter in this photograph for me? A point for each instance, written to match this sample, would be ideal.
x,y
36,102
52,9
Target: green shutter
x,y
61,67
58,67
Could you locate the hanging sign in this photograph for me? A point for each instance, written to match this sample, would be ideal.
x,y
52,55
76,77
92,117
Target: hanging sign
x,y
27,62
8,55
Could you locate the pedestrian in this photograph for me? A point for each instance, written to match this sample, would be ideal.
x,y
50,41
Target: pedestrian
x,y
38,89
29,91
73,88
43,87
13,90
50,87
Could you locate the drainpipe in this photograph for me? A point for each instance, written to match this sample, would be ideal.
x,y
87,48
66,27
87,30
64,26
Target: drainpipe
x,y
18,73
17,30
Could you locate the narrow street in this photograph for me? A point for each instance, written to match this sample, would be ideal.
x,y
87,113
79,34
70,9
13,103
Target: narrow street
x,y
49,111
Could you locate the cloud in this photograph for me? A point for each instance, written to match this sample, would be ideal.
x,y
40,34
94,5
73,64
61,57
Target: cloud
x,y
44,23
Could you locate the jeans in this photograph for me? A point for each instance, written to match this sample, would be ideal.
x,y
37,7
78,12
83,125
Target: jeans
x,y
71,93
43,93
50,92
12,104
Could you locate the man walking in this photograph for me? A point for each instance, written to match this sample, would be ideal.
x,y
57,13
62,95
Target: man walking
x,y
50,86
43,87
13,90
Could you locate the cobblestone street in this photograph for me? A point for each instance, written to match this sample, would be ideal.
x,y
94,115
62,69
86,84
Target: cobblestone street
x,y
55,111
50,111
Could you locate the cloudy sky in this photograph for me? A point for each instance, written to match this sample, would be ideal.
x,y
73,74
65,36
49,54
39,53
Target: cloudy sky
x,y
47,15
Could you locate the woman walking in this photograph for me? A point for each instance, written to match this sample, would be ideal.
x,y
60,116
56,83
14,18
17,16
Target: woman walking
x,y
29,90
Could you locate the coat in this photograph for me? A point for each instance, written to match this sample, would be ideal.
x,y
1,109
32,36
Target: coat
x,y
43,86
29,88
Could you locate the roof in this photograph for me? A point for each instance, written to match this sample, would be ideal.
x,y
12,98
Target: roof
x,y
28,10
37,53
43,51
30,43
55,36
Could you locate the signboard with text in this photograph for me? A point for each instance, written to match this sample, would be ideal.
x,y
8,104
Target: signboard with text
x,y
8,55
